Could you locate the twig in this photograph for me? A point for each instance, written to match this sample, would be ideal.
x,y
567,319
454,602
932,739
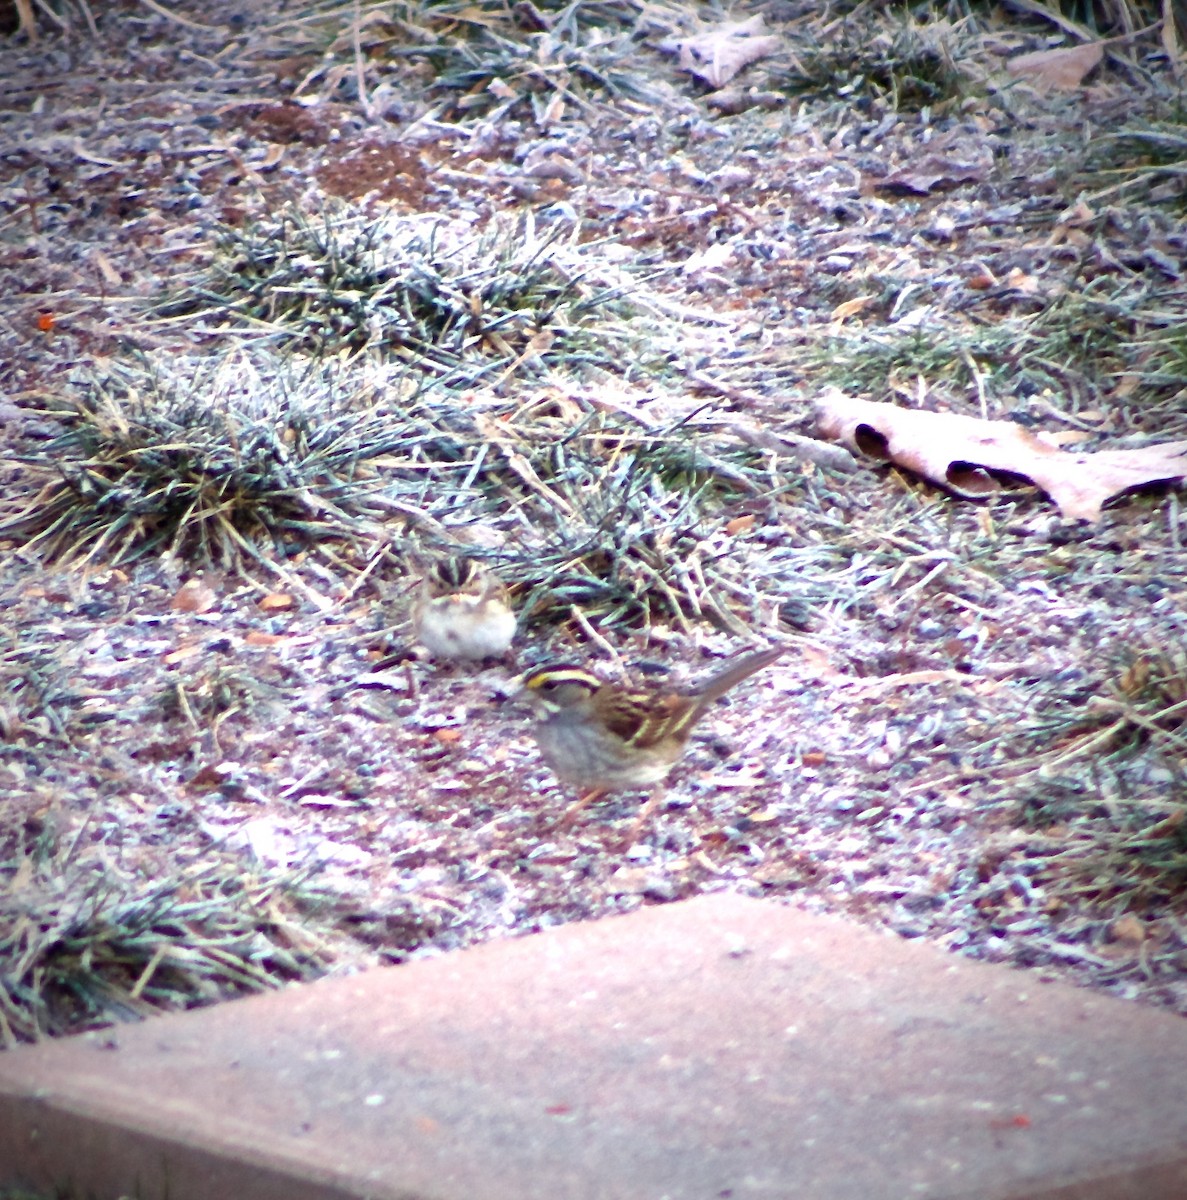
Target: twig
x,y
823,454
597,639
291,580
162,11
360,70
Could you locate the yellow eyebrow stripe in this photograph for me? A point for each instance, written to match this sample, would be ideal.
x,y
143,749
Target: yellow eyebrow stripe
x,y
545,675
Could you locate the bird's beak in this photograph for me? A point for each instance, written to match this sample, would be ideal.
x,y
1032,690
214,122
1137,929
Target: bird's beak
x,y
509,689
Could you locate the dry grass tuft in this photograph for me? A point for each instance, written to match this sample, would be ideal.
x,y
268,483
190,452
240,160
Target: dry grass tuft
x,y
884,58
462,304
1144,161
484,60
197,465
87,949
581,505
1111,789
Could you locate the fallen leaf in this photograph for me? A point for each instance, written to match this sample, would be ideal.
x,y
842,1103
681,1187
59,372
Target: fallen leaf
x,y
928,172
714,256
740,524
275,600
206,778
959,452
180,654
850,308
193,596
732,101
448,734
1128,929
717,55
1020,281
256,637
1057,70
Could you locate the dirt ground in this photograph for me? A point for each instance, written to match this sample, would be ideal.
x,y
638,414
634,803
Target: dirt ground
x,y
216,778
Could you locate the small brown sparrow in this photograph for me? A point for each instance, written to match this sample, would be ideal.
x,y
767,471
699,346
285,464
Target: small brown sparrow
x,y
607,738
462,612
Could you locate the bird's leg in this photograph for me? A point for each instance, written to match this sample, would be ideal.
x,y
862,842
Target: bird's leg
x,y
645,813
582,803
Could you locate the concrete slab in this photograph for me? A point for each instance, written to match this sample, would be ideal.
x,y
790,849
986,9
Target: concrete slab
x,y
718,1048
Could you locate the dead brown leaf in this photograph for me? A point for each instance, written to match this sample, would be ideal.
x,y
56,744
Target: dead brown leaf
x,y
959,452
933,170
732,101
1019,280
742,524
256,637
850,308
717,55
1057,70
194,596
275,601
181,654
206,778
1128,929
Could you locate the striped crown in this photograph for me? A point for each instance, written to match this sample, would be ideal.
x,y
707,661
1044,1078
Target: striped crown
x,y
454,574
553,675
